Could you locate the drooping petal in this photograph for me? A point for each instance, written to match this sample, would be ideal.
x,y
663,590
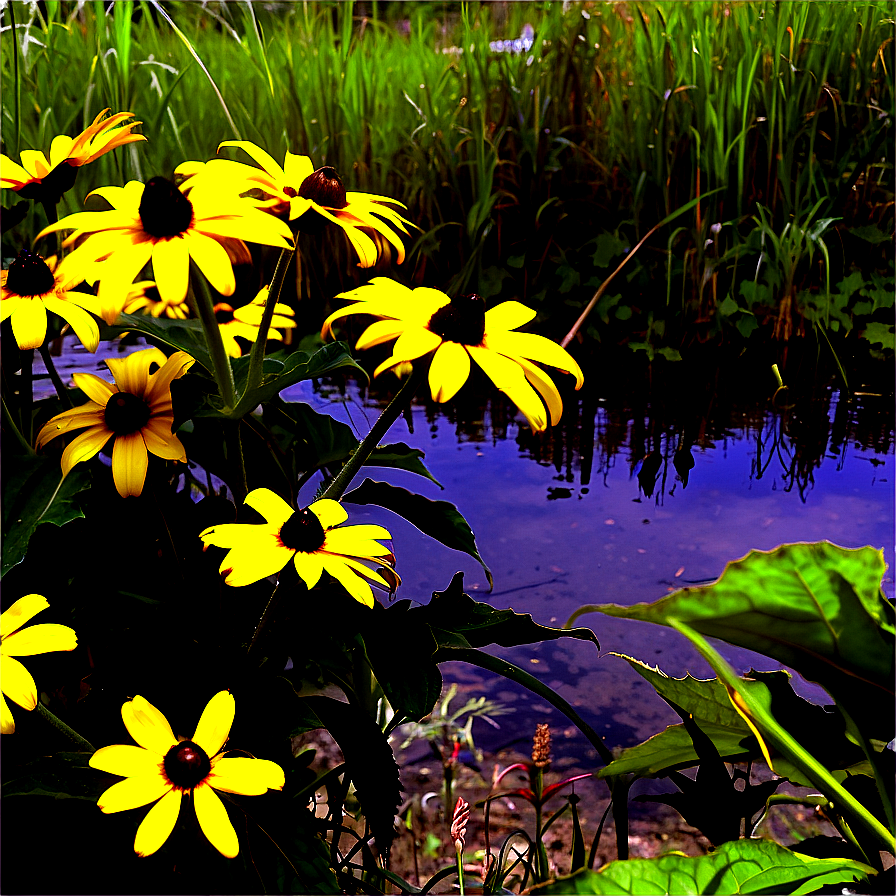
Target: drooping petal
x,y
270,505
147,725
259,155
159,385
214,821
127,761
29,323
44,638
85,446
214,723
22,611
95,388
330,513
342,540
156,828
251,777
171,267
546,388
81,322
133,792
535,348
356,586
449,371
7,722
414,343
211,258
17,683
129,464
510,379
379,332
166,446
310,567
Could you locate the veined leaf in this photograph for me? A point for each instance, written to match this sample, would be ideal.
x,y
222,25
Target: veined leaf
x,y
741,866
438,519
34,492
184,335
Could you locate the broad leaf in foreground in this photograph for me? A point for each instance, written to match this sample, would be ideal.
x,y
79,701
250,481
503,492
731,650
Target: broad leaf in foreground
x,y
741,866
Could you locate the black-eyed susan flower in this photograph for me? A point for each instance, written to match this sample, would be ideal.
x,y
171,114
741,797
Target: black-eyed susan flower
x,y
47,179
311,538
310,198
424,321
164,768
15,680
30,287
246,320
157,222
135,411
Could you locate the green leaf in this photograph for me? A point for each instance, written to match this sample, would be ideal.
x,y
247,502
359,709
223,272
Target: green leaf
x,y
741,866
438,519
184,335
871,234
34,492
815,607
400,456
879,333
62,776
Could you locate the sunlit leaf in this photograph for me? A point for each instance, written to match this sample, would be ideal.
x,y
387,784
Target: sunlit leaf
x,y
741,866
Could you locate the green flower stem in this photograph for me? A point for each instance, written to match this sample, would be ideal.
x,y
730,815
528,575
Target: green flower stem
x,y
256,356
204,308
10,423
336,489
536,780
458,849
58,385
60,726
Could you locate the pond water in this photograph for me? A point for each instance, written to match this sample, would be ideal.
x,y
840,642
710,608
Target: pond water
x,y
652,481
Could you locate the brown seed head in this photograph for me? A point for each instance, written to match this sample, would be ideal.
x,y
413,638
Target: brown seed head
x,y
541,746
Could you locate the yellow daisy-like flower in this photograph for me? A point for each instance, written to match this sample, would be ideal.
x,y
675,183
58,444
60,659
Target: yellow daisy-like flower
x,y
15,680
30,287
246,320
144,296
135,411
158,222
456,331
312,198
47,179
164,768
309,537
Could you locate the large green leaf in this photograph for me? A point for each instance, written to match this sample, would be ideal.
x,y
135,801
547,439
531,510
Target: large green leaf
x,y
438,519
741,866
61,776
815,607
34,493
184,335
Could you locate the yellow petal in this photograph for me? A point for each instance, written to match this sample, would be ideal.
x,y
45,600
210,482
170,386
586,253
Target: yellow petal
x,y
507,316
379,332
270,505
95,388
44,638
211,258
127,761
85,446
156,828
147,725
449,371
330,513
159,385
214,821
29,323
309,566
546,388
17,683
509,378
251,777
166,446
535,348
133,792
7,722
23,610
171,267
259,155
81,322
345,534
214,724
414,343
296,168
129,464
356,586
362,244
132,373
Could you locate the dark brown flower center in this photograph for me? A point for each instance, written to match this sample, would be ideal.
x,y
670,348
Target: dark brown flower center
x,y
186,764
164,210
325,188
126,413
223,313
461,320
302,532
29,275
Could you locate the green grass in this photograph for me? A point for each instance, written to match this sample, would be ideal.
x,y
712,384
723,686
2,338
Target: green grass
x,y
518,167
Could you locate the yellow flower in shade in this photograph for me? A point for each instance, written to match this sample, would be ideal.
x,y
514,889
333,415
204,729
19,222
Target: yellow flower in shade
x,y
246,320
312,198
309,537
30,287
144,296
135,411
455,331
164,768
15,680
157,222
47,179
